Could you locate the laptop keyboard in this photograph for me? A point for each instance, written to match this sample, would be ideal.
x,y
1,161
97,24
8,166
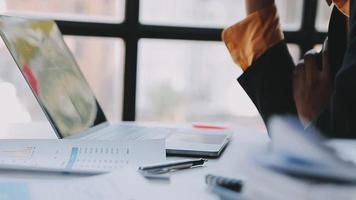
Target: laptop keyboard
x,y
130,133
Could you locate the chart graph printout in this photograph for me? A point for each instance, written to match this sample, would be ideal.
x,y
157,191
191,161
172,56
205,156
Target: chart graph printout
x,y
78,156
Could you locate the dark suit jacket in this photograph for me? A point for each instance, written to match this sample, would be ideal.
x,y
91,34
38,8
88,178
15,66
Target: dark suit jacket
x,y
268,82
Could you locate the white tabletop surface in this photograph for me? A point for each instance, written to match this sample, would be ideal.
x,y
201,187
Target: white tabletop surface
x,y
185,184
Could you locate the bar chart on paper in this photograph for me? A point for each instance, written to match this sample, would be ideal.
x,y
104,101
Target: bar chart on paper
x,y
77,156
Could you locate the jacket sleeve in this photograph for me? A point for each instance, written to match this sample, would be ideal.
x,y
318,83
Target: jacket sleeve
x,y
250,38
338,120
268,82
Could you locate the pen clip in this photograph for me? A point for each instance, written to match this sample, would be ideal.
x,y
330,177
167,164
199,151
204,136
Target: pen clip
x,y
179,167
168,169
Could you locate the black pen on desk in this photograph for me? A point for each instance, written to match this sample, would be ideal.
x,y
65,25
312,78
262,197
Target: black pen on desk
x,y
174,165
228,183
225,193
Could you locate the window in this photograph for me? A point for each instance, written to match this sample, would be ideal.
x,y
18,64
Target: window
x,y
179,80
151,60
76,10
210,13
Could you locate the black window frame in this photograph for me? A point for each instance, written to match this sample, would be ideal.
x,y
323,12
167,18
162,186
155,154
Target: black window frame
x,y
131,31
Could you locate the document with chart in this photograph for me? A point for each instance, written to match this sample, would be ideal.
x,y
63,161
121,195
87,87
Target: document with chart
x,y
78,156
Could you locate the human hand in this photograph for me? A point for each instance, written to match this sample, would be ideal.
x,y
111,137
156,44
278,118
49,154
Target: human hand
x,y
255,5
312,85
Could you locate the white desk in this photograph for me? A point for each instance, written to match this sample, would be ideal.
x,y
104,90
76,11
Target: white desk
x,y
190,184
185,184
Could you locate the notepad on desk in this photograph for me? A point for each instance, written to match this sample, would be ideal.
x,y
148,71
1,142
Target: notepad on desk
x,y
78,156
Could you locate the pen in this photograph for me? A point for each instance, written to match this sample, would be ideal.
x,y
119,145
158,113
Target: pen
x,y
175,165
225,193
228,183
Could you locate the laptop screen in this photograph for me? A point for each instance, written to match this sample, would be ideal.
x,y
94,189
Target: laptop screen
x,y
41,54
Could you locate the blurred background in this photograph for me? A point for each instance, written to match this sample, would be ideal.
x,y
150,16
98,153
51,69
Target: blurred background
x,y
173,76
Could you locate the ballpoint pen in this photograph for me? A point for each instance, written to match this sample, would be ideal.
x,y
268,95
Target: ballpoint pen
x,y
228,183
172,166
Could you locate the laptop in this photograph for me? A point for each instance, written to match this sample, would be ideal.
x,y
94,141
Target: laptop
x,y
38,48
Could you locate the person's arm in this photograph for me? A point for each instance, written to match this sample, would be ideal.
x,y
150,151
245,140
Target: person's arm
x,y
257,45
339,118
312,84
248,39
268,82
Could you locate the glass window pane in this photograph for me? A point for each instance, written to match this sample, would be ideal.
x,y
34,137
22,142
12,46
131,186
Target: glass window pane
x,y
192,81
211,13
101,61
77,10
181,81
323,16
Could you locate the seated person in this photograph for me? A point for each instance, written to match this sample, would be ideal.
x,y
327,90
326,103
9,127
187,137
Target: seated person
x,y
321,92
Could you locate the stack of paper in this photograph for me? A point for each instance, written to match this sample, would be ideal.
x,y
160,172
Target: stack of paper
x,y
299,165
79,188
88,159
78,156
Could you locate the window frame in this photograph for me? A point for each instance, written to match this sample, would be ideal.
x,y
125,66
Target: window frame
x,y
131,31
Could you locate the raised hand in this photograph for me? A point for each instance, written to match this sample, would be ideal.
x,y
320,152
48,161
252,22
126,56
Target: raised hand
x,y
312,85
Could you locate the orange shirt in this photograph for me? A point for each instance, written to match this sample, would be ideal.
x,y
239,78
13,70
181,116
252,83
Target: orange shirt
x,y
259,31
